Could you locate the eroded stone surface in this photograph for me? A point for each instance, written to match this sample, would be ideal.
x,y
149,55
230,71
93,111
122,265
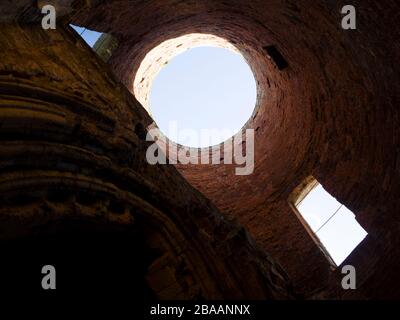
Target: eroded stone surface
x,y
72,150
332,114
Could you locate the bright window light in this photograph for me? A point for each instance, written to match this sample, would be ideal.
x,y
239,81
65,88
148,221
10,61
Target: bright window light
x,y
89,36
333,224
209,91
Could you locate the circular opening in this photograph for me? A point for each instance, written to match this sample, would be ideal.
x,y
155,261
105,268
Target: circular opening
x,y
198,88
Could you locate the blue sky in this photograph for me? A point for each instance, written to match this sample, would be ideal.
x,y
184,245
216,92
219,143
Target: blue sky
x,y
204,88
333,223
88,35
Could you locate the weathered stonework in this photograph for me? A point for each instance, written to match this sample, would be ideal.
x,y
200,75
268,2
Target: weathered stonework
x,y
72,149
332,113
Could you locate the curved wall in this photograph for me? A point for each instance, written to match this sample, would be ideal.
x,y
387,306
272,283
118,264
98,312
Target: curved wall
x,y
332,113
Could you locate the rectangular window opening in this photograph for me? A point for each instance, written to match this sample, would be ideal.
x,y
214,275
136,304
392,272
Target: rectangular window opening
x,y
332,226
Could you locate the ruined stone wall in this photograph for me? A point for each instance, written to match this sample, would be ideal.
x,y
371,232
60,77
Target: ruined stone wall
x,y
332,113
73,149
